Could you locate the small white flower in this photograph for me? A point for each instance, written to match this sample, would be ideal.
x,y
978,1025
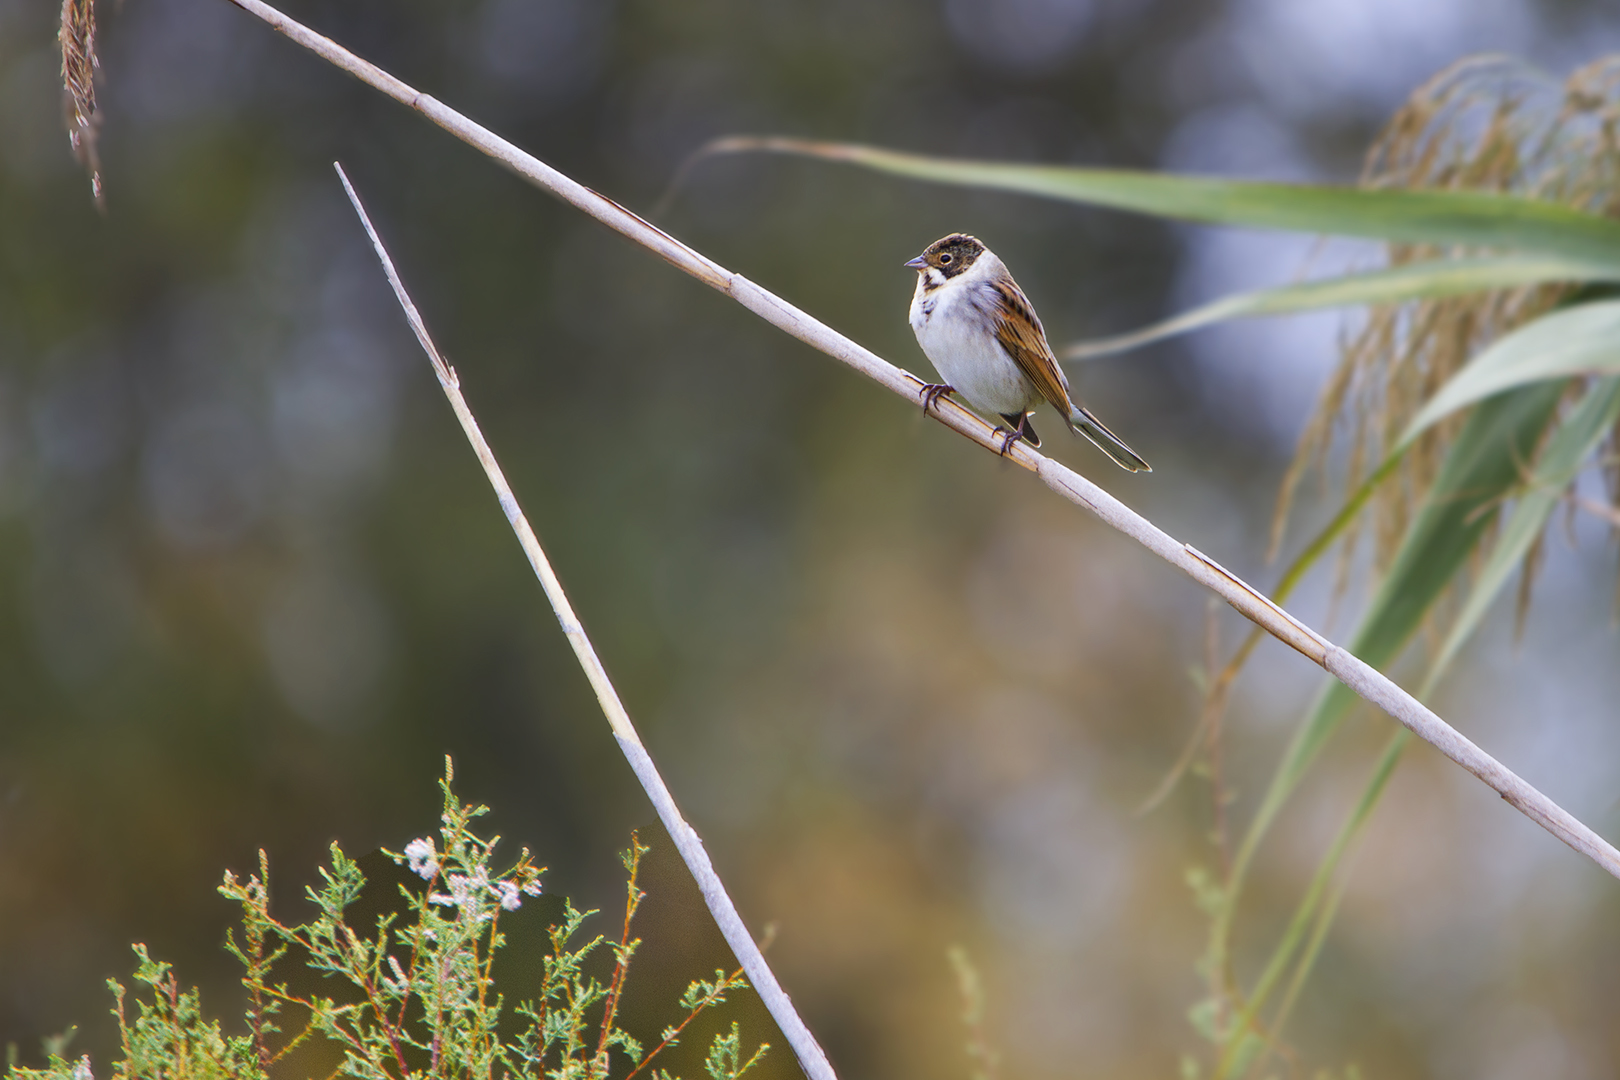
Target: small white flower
x,y
466,890
421,857
511,899
81,1069
532,886
399,975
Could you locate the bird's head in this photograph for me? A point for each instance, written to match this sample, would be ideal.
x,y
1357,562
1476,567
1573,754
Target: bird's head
x,y
949,255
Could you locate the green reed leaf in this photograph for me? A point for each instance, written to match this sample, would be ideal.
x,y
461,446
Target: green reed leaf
x,y
1471,218
1396,284
1314,914
1481,467
1579,340
1567,451
1328,905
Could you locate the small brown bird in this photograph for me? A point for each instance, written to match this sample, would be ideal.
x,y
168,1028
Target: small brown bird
x,y
981,334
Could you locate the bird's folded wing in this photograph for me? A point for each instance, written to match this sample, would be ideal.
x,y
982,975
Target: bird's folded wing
x,y
1019,332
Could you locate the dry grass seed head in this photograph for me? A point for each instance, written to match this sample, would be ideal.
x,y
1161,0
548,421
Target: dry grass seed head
x,y
77,37
1484,124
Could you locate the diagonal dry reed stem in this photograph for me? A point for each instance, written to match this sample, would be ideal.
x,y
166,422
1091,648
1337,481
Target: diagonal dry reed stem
x,y
1250,602
686,839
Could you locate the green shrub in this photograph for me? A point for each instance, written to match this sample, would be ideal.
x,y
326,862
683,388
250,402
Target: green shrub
x,y
410,998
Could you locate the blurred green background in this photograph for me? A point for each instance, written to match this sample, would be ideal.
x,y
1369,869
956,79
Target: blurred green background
x,y
253,586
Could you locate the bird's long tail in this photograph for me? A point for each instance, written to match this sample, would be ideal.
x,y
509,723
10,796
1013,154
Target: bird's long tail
x,y
1106,441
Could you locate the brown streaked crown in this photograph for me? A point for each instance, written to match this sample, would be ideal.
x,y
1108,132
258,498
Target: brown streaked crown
x,y
953,254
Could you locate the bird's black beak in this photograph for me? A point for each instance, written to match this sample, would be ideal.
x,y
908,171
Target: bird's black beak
x,y
919,263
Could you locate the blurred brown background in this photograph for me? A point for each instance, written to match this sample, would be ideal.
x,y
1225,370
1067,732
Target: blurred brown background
x,y
253,588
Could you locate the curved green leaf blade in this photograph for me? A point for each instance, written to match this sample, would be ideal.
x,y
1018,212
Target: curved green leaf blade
x,y
1308,926
1396,284
1566,452
1580,340
1331,532
1328,907
1476,219
1481,467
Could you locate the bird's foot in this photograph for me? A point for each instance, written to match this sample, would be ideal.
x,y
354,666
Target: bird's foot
x,y
1017,427
932,392
1008,437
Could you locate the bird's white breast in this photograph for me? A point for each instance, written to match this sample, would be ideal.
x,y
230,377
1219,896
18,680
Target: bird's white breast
x,y
955,325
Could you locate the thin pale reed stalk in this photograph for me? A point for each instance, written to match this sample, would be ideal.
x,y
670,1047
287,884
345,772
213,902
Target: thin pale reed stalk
x,y
687,842
1360,677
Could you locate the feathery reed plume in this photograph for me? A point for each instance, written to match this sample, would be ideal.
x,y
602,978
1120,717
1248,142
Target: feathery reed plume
x,y
1484,124
79,65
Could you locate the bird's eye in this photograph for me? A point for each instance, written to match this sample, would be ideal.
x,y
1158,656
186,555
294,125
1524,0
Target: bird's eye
x,y
943,259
